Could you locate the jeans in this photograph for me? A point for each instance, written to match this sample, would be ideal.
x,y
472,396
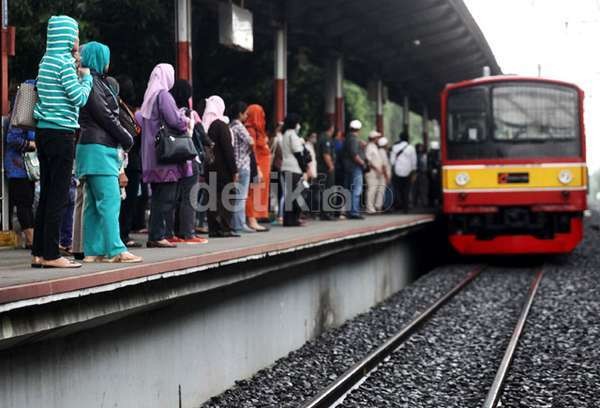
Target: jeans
x,y
239,212
354,184
56,150
185,217
162,208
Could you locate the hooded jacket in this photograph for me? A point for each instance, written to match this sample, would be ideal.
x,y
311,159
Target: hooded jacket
x,y
61,93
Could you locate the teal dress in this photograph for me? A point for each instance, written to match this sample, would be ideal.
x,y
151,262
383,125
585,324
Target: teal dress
x,y
98,167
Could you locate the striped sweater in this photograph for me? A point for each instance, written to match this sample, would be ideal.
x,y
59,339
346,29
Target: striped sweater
x,y
61,93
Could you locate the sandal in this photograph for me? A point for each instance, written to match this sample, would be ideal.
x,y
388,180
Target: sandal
x,y
36,262
60,263
124,257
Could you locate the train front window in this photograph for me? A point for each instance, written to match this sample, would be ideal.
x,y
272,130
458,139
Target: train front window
x,y
513,120
534,114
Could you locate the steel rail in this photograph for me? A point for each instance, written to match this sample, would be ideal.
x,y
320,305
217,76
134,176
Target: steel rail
x,y
354,375
493,396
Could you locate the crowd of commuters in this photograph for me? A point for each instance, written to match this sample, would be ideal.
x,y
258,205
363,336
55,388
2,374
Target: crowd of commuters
x,y
101,164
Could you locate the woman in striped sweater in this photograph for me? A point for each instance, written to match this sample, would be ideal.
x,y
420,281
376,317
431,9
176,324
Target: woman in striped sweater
x,y
63,89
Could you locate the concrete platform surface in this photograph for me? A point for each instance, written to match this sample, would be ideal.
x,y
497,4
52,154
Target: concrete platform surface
x,y
18,281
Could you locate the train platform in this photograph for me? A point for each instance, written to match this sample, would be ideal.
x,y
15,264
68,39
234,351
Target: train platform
x,y
20,282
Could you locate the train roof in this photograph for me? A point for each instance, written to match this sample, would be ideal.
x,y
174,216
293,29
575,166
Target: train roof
x,y
508,78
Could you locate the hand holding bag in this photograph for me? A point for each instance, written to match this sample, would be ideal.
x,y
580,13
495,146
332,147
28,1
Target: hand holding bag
x,y
22,115
172,147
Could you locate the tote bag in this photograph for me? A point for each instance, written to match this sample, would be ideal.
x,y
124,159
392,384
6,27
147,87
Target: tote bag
x,y
22,115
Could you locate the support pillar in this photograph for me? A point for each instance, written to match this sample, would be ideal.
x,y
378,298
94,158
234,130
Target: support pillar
x,y
4,47
329,94
280,73
184,39
379,107
339,94
426,127
406,114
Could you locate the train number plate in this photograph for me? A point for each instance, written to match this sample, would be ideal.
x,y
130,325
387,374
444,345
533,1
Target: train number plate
x,y
513,178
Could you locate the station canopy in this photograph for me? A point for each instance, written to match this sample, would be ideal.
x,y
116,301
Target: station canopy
x,y
415,46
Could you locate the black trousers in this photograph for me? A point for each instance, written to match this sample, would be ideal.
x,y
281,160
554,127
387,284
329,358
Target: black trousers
x,y
185,208
162,209
326,182
21,193
129,206
401,192
56,150
291,208
219,214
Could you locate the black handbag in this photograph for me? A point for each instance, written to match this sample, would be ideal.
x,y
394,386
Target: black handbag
x,y
172,147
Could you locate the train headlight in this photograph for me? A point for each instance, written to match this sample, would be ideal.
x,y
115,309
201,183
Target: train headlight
x,y
462,179
565,177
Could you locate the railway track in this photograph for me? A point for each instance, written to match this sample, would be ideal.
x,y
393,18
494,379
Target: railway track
x,y
352,379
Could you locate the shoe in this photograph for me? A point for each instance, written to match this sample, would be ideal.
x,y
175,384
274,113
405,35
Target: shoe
x,y
132,244
355,217
64,251
327,218
202,230
174,239
160,244
36,262
92,259
78,256
231,234
194,240
216,235
247,230
258,228
60,263
124,257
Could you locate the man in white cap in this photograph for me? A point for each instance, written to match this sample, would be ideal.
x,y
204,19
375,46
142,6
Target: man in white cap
x,y
353,170
375,177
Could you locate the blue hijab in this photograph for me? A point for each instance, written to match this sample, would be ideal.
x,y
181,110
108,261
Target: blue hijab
x,y
95,56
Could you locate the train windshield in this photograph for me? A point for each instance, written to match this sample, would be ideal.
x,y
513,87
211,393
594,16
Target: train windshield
x,y
513,120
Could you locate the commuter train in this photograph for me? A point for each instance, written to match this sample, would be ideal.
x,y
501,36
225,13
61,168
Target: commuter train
x,y
514,173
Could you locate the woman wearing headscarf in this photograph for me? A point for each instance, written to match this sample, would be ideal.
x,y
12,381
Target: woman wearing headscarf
x,y
182,228
257,204
159,104
62,90
99,157
223,172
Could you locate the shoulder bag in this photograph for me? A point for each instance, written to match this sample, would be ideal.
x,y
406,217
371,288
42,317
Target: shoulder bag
x,y
172,147
22,115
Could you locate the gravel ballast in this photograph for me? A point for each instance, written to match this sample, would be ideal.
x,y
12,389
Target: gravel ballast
x,y
452,360
557,363
301,374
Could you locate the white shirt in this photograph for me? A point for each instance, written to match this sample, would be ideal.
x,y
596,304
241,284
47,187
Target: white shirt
x,y
290,144
404,163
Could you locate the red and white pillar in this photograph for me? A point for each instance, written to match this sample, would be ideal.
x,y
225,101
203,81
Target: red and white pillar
x,y
280,73
339,94
184,39
379,107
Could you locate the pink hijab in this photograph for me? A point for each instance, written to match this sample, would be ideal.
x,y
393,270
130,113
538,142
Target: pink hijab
x,y
161,79
215,109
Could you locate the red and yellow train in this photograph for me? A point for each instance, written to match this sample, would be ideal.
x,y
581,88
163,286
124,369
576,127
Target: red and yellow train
x,y
514,165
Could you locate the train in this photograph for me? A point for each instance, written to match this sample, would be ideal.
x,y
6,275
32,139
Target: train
x,y
514,174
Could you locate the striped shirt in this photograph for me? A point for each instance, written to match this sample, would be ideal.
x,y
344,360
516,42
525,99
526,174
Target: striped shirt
x,y
61,93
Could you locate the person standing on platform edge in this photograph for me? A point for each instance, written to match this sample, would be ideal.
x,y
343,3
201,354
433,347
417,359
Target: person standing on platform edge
x,y
354,166
325,159
403,159
159,105
99,155
257,204
62,91
222,172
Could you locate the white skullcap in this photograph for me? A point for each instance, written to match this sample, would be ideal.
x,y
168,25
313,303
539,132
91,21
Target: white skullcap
x,y
355,125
